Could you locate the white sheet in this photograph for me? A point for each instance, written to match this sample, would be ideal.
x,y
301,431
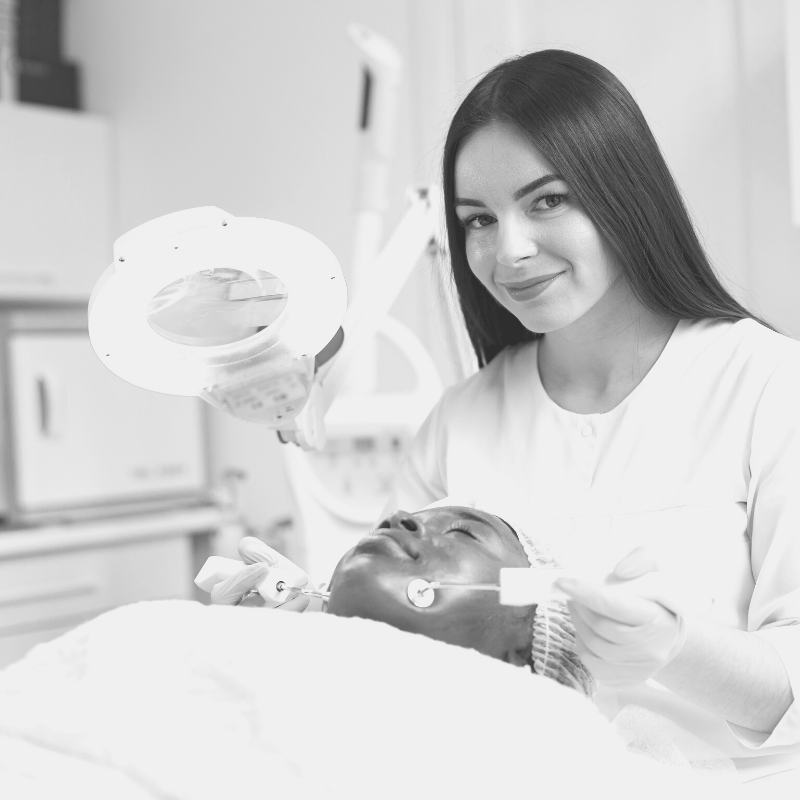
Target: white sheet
x,y
177,700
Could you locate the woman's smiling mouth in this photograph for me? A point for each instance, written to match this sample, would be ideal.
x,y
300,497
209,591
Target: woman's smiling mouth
x,y
527,290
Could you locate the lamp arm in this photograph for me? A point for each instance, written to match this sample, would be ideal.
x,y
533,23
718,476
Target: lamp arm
x,y
377,275
379,290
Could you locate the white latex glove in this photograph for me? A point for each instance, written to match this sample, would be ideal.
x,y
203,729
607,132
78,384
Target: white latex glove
x,y
263,563
630,627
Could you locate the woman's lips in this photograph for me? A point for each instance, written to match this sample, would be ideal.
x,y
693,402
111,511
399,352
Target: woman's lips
x,y
527,290
390,539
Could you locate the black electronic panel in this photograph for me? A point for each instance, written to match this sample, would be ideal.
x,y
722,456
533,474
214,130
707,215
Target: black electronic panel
x,y
48,83
43,77
39,29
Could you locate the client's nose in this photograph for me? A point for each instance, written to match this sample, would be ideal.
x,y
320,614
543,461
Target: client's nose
x,y
402,519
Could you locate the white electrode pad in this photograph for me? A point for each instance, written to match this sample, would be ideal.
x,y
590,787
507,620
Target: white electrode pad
x,y
233,309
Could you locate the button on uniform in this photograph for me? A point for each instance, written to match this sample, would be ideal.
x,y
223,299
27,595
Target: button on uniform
x,y
586,431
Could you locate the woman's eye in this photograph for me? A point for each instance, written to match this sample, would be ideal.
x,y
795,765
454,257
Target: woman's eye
x,y
477,221
548,202
467,531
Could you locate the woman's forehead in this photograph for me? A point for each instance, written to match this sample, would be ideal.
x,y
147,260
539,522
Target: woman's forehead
x,y
446,514
455,511
497,149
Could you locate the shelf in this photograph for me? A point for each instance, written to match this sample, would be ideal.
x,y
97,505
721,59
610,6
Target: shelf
x,y
108,531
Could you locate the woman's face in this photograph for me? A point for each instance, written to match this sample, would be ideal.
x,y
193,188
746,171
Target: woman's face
x,y
451,545
528,240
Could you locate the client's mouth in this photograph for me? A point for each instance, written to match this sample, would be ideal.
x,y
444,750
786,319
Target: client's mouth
x,y
394,538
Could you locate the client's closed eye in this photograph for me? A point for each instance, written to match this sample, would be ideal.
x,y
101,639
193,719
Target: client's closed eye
x,y
461,529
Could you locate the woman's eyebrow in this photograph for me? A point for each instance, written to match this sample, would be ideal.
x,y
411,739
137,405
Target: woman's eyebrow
x,y
465,201
474,517
534,185
518,195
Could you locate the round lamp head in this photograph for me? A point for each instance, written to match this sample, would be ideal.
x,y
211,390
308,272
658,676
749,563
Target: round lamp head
x,y
201,302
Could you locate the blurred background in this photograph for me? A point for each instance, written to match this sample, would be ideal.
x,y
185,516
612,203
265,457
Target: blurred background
x,y
114,112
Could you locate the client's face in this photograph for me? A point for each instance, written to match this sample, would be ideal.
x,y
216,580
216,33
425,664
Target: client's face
x,y
451,545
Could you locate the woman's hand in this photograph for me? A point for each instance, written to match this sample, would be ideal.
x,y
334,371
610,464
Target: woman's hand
x,y
631,627
260,560
240,589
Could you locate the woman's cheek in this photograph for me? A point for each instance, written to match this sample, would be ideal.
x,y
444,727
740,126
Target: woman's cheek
x,y
480,256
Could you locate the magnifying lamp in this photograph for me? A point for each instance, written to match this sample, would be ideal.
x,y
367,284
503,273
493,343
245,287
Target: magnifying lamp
x,y
239,311
249,314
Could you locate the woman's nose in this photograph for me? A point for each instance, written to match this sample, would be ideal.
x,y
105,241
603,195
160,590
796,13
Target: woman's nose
x,y
516,243
402,519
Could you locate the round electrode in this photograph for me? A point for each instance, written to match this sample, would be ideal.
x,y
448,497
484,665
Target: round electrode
x,y
420,593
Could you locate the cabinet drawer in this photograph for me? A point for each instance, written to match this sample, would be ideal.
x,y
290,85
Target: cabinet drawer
x,y
57,589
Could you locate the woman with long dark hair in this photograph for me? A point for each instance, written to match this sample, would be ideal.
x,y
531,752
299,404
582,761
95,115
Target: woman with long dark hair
x,y
628,409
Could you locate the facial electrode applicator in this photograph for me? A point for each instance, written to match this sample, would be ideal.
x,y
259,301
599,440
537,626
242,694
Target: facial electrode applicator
x,y
519,586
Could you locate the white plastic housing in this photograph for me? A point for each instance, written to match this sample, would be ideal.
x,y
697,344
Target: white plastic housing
x,y
168,249
292,578
527,586
215,570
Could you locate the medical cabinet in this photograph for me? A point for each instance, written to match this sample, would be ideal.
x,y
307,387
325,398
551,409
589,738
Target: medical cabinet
x,y
77,441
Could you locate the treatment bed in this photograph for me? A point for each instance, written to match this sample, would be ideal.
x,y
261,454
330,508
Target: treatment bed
x,y
174,699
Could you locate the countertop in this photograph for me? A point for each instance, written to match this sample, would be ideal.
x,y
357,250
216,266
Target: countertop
x,y
48,538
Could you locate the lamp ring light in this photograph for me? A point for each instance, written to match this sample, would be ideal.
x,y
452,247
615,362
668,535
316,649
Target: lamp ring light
x,y
232,309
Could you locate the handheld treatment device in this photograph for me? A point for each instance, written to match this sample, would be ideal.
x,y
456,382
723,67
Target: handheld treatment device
x,y
519,586
281,583
526,586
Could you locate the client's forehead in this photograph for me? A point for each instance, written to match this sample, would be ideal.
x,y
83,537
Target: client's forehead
x,y
451,513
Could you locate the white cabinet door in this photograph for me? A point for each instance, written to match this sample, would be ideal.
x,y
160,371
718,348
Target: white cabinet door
x,y
55,199
82,435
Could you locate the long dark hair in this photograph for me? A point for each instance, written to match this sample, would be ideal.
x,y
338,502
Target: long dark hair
x,y
586,124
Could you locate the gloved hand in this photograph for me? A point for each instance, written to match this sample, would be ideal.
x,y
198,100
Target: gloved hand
x,y
240,588
262,562
630,627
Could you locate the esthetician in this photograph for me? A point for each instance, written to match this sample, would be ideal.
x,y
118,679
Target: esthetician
x,y
628,409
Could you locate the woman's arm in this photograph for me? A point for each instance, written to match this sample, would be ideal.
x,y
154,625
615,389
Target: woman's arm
x,y
731,673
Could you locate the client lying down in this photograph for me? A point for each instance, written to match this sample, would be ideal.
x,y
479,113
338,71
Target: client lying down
x,y
176,699
453,545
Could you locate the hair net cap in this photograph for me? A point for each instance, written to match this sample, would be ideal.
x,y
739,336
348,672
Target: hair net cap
x,y
553,652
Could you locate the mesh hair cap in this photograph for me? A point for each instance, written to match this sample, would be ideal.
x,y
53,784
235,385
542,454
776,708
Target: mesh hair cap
x,y
553,650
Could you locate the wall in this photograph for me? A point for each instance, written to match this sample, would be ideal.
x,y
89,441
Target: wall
x,y
251,105
773,244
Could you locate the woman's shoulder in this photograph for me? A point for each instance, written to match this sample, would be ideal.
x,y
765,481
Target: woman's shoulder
x,y
766,345
746,343
506,371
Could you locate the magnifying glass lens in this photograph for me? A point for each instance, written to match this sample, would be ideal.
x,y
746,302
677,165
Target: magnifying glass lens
x,y
217,306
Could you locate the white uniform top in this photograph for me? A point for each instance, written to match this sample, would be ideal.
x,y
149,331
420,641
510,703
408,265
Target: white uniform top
x,y
701,462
